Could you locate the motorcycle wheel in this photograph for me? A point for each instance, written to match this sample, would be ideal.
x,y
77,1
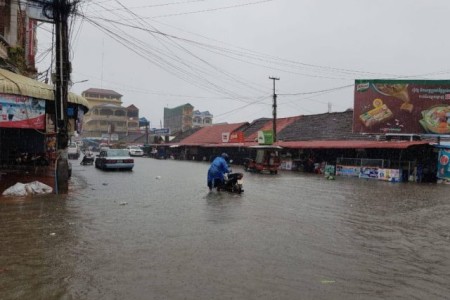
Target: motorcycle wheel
x,y
237,189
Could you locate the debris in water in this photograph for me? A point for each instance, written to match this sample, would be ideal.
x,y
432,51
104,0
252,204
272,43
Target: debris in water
x,y
158,177
52,234
32,188
123,203
104,183
325,281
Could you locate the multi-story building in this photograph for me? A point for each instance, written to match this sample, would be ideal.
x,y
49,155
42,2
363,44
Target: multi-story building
x,y
107,116
178,119
101,96
202,119
17,38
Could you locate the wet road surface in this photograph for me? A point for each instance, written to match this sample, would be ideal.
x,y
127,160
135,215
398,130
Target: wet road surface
x,y
157,233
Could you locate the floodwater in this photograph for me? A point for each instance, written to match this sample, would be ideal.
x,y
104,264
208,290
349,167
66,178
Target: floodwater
x,y
157,233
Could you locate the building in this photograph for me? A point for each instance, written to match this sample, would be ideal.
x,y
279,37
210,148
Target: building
x,y
107,117
178,119
201,119
17,38
101,96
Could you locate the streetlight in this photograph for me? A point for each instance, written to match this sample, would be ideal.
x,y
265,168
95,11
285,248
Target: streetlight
x,y
73,83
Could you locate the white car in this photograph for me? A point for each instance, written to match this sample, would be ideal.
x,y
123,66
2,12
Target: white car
x,y
114,159
73,152
135,151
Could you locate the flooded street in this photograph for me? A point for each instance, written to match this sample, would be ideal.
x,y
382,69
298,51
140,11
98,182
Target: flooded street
x,y
157,233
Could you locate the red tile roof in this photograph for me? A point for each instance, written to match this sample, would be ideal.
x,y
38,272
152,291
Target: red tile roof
x,y
211,134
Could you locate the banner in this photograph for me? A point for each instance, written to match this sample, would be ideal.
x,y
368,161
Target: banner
x,y
21,112
402,106
265,137
444,164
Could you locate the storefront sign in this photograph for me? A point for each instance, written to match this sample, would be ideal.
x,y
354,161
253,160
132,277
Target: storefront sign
x,y
265,137
402,106
21,112
225,137
236,137
444,164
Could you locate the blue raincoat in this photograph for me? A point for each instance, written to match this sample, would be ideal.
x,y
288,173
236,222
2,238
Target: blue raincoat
x,y
216,171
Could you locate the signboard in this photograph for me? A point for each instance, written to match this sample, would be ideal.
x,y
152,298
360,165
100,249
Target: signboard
x,y
368,172
41,11
225,137
351,171
236,137
265,137
392,175
444,164
162,131
402,106
21,112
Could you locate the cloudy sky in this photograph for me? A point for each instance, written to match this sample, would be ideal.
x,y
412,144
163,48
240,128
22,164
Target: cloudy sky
x,y
218,55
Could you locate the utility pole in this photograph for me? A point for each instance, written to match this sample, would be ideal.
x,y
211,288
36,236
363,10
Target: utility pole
x,y
61,11
274,110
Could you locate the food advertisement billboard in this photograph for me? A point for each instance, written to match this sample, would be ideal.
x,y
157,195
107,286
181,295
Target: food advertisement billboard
x,y
402,106
21,112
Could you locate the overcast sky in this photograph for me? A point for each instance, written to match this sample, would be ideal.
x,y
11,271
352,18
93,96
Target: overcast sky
x,y
218,55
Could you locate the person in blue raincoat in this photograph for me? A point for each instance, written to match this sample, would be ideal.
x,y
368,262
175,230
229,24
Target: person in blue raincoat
x,y
217,170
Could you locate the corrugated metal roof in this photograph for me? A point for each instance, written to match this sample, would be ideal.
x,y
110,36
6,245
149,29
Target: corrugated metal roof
x,y
211,134
12,83
268,125
351,144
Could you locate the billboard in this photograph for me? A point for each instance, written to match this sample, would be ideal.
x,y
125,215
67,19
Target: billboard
x,y
21,112
402,106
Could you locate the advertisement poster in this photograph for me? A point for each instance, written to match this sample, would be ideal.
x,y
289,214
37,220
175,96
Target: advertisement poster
x,y
351,171
21,112
402,106
369,172
392,175
444,164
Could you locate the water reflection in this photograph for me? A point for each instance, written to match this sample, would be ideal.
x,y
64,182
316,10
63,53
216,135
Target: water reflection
x,y
222,207
290,236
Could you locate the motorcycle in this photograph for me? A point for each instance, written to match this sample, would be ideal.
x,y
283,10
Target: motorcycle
x,y
88,159
233,183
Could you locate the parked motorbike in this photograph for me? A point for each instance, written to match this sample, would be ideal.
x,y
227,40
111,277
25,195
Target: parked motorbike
x,y
233,183
88,159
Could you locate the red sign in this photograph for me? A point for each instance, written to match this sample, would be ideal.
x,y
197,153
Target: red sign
x,y
402,106
236,137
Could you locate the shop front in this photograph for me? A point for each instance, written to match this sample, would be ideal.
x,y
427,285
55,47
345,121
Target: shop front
x,y
27,130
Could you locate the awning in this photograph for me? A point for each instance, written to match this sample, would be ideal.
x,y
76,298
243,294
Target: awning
x,y
353,144
12,83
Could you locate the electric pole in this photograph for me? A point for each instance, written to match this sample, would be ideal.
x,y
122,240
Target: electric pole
x,y
61,11
274,106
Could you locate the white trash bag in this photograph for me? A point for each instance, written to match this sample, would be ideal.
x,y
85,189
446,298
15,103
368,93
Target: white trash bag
x,y
32,188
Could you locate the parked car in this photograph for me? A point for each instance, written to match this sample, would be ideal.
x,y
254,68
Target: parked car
x,y
114,159
135,151
73,151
